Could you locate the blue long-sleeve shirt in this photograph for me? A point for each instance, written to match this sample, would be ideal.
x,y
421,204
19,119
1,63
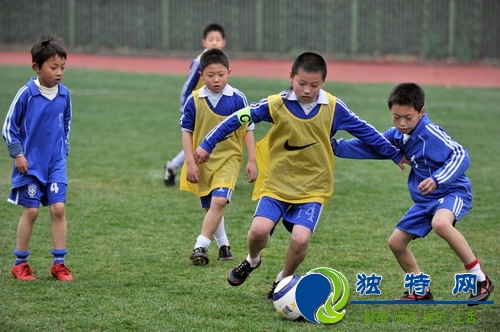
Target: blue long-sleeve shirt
x,y
192,81
39,128
431,152
344,119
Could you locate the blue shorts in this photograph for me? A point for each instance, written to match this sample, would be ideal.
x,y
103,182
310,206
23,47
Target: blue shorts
x,y
305,214
33,193
219,192
418,219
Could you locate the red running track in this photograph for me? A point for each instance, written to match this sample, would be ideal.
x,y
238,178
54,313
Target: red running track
x,y
351,72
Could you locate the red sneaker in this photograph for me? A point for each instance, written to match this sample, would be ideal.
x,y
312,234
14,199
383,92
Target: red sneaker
x,y
23,272
61,272
414,297
483,291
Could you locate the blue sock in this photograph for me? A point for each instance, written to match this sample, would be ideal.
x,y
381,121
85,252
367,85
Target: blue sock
x,y
59,255
21,256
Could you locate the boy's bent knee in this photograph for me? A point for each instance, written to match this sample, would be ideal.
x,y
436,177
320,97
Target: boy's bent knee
x,y
442,225
261,227
218,202
397,242
300,240
257,233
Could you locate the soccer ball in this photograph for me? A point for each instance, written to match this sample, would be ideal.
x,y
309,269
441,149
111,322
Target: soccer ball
x,y
284,298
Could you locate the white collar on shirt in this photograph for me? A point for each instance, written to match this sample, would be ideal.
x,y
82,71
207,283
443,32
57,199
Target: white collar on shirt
x,y
227,91
308,107
320,99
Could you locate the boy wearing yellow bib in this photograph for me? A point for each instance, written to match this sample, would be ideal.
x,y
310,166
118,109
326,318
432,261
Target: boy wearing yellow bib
x,y
214,181
295,161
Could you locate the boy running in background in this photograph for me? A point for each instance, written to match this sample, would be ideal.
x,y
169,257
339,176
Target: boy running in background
x,y
439,188
214,181
36,130
213,38
295,161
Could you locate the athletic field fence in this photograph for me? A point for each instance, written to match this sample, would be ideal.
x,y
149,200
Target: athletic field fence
x,y
457,30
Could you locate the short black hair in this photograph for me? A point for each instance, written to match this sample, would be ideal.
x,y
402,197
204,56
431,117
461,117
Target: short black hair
x,y
213,56
46,47
213,27
310,62
407,94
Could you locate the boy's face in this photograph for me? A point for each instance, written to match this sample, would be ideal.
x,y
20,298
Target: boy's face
x,y
306,85
406,118
51,72
214,40
215,77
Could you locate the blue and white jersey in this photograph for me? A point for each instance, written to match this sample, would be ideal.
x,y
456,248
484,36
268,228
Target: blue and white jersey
x,y
431,152
343,119
39,128
229,102
193,81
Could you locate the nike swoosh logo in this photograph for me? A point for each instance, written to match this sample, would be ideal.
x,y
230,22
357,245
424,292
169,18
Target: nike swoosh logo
x,y
296,147
225,138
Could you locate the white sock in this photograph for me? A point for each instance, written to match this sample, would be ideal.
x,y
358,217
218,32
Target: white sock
x,y
279,277
202,241
220,235
253,261
178,160
477,271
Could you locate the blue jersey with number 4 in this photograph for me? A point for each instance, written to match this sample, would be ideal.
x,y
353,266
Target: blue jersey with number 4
x,y
39,128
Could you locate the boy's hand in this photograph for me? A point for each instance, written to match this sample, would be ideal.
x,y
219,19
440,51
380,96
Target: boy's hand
x,y
192,173
403,161
201,155
21,164
427,186
251,169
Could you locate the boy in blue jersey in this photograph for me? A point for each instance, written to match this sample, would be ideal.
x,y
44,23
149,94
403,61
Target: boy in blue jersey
x,y
36,130
214,182
213,38
438,186
295,161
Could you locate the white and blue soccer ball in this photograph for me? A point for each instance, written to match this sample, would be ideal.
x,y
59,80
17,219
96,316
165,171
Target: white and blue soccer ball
x,y
284,298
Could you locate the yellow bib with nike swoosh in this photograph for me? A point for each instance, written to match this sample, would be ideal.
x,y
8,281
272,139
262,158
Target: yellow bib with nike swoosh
x,y
295,159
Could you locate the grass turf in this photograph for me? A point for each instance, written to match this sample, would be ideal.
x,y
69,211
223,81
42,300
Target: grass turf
x,y
129,236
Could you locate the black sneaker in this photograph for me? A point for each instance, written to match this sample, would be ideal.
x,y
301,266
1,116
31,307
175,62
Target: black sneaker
x,y
239,274
199,256
414,297
225,253
169,174
270,294
483,291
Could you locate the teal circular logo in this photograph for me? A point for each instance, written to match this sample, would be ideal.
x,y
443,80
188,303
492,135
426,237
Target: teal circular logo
x,y
322,295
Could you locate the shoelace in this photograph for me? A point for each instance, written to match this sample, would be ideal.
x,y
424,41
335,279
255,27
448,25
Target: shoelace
x,y
225,251
243,268
26,271
63,269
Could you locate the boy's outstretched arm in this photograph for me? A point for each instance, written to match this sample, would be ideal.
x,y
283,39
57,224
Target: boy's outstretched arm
x,y
356,149
220,132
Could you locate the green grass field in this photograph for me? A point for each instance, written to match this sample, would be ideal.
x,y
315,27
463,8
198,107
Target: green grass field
x,y
129,236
